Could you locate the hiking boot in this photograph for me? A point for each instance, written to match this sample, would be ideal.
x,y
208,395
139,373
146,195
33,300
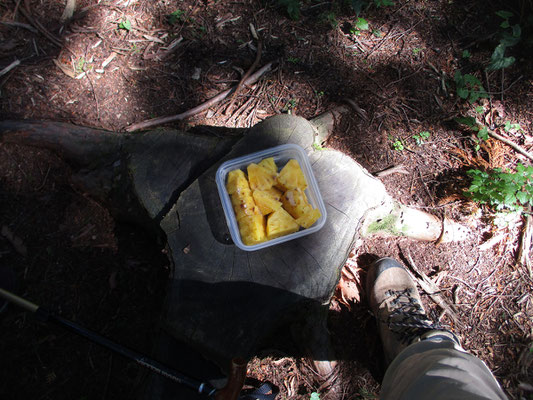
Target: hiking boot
x,y
395,302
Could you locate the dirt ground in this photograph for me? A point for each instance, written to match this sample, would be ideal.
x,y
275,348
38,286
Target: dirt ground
x,y
121,62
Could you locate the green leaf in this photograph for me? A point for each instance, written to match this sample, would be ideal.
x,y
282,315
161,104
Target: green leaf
x,y
504,14
361,24
463,92
505,24
480,109
498,59
466,54
469,121
509,40
483,133
126,24
314,396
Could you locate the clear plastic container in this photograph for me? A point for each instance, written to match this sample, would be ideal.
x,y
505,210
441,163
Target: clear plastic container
x,y
282,154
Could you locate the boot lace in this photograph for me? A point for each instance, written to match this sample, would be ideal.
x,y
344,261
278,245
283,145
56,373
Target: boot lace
x,y
405,316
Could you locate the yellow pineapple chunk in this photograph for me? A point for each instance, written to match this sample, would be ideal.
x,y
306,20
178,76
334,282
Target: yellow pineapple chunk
x,y
237,182
309,218
274,193
252,229
260,178
280,223
269,164
295,202
291,177
244,204
265,201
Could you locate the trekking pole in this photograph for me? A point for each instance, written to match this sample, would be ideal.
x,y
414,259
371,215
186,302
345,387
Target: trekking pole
x,y
230,392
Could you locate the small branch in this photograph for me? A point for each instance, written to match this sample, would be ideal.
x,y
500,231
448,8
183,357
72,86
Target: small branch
x,y
26,12
198,109
250,70
357,109
525,244
396,169
432,290
9,67
19,25
510,143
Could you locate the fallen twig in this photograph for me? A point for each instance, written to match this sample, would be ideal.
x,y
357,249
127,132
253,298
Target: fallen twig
x,y
510,143
198,109
27,14
525,245
250,70
432,290
19,25
357,109
396,169
9,67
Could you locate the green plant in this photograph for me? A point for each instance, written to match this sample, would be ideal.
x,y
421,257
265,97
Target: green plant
x,y
480,109
319,94
417,50
509,37
175,17
292,7
361,24
377,33
398,145
472,123
469,87
502,190
125,24
421,137
510,127
318,147
331,19
466,54
314,396
293,60
80,65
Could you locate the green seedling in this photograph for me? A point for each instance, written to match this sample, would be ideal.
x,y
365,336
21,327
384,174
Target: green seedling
x,y
421,137
510,127
361,24
314,396
377,33
502,190
466,54
293,60
318,147
469,87
480,109
509,36
398,145
417,50
125,24
472,123
175,17
319,94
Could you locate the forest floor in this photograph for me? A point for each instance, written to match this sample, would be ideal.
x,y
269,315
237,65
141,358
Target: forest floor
x,y
120,62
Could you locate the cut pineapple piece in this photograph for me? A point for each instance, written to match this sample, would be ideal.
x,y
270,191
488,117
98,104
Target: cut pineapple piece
x,y
252,229
269,164
237,182
265,201
308,219
260,178
295,202
291,177
244,204
274,193
280,223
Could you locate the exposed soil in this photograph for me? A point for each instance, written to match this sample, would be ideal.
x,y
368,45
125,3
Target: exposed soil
x,y
111,277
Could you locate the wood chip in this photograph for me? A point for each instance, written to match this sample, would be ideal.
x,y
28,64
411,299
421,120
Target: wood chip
x,y
108,60
153,39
